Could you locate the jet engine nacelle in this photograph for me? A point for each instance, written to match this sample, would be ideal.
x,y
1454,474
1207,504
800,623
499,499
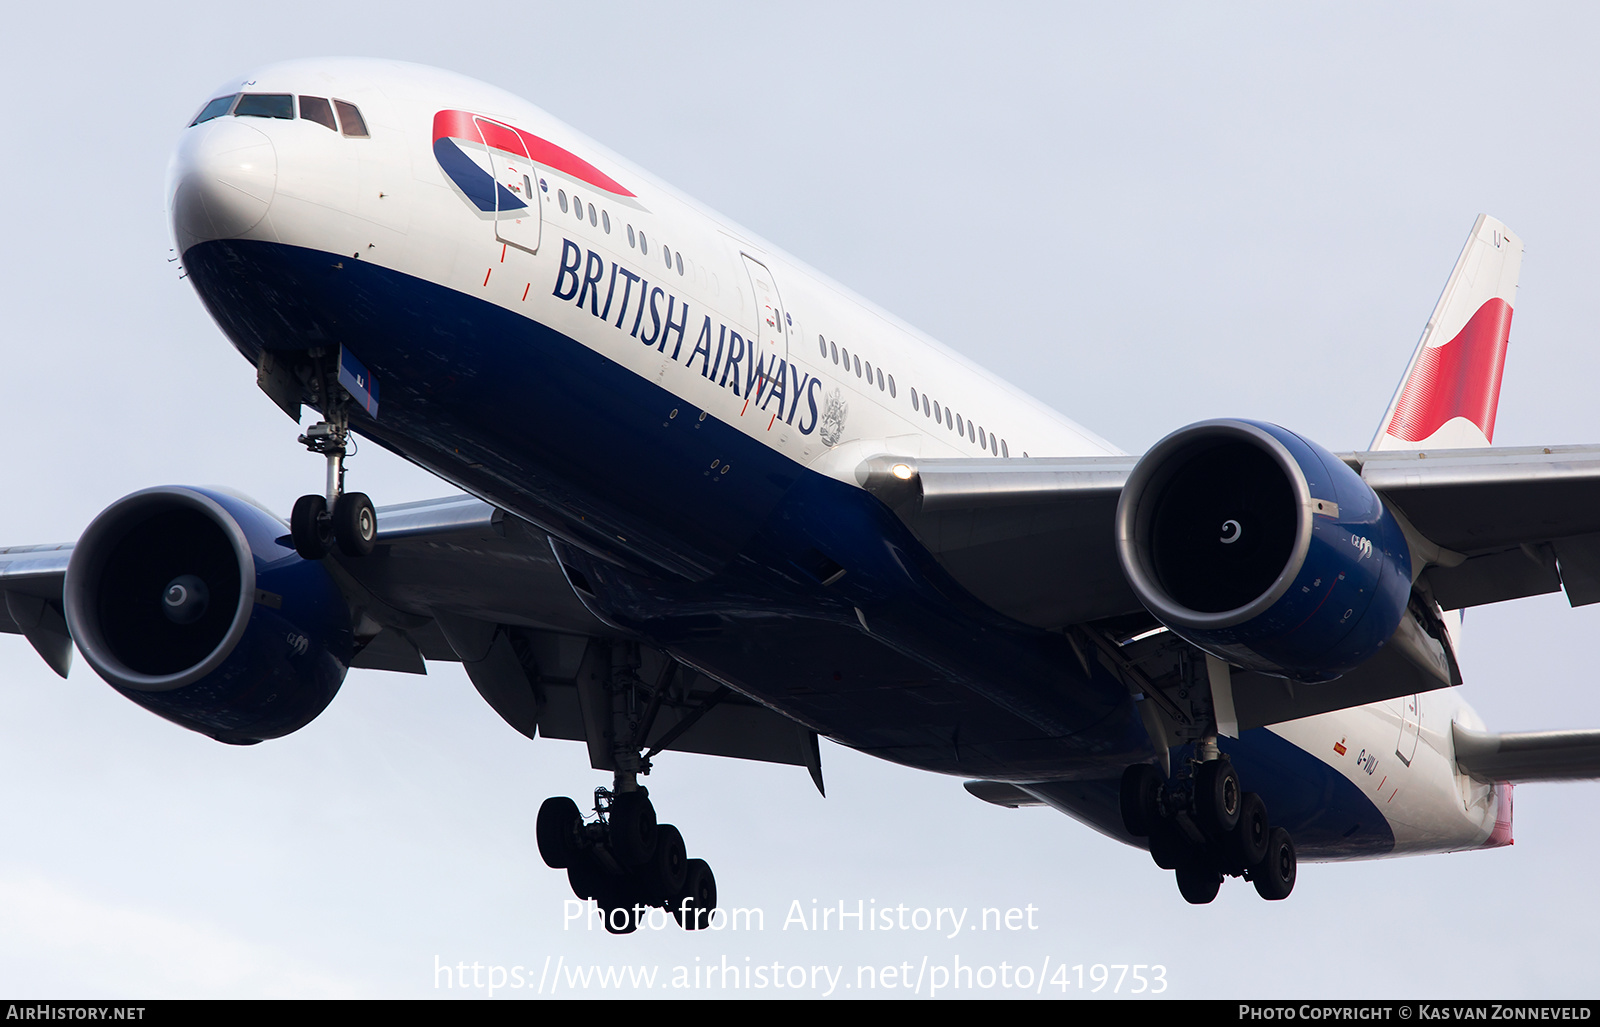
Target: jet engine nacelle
x,y
186,601
1263,549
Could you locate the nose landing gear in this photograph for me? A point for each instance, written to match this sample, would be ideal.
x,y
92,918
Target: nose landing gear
x,y
345,520
1205,829
625,861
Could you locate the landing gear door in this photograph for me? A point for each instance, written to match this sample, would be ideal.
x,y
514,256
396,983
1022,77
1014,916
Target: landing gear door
x,y
517,214
772,332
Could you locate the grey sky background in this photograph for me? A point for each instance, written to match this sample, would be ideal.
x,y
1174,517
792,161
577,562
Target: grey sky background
x,y
1146,216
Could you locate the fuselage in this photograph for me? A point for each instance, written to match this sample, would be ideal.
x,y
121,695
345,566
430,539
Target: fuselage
x,y
684,409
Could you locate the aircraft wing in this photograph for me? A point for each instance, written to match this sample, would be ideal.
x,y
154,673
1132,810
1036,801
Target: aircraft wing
x,y
455,579
1035,537
31,578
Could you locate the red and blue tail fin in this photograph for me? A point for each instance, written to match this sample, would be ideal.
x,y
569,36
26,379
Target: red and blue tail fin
x,y
1451,389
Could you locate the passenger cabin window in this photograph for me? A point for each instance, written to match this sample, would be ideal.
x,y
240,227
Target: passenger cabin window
x,y
834,349
679,262
891,387
215,109
824,344
350,121
561,198
644,244
317,108
577,206
593,218
605,221
265,105
632,242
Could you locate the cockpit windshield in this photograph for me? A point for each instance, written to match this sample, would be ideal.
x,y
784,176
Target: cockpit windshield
x,y
265,105
215,109
281,105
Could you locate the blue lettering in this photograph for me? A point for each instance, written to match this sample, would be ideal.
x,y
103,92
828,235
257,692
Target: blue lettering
x,y
778,386
605,315
627,288
799,380
644,287
569,249
722,336
703,345
755,375
655,321
735,357
592,274
811,401
683,322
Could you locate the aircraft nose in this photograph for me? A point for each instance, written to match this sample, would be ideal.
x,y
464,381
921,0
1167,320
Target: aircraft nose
x,y
222,181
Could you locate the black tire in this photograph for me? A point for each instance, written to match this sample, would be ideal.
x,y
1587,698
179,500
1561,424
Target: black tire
x,y
589,881
1198,882
557,831
1248,841
695,904
355,524
1168,845
661,879
1141,792
1217,796
633,828
1274,876
309,527
620,919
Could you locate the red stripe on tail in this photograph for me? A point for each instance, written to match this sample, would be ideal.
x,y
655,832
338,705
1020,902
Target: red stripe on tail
x,y
1459,379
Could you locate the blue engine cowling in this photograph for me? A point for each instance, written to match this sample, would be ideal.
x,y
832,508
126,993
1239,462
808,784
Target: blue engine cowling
x,y
186,601
1263,549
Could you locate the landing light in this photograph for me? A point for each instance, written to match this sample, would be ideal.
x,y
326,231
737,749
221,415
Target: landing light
x,y
902,471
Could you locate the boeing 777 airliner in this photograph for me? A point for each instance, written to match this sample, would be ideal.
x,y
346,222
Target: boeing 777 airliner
x,y
713,502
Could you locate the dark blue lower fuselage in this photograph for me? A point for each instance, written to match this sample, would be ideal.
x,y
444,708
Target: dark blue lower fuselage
x,y
724,570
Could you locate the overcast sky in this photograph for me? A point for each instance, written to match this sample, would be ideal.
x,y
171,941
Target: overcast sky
x,y
1145,216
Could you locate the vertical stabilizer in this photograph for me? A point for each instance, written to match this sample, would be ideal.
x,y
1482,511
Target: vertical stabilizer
x,y
1450,391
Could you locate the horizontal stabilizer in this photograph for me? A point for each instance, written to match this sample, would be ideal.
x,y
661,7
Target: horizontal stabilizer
x,y
1528,755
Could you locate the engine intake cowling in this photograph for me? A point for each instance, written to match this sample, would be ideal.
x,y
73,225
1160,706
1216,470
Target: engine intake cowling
x,y
1263,549
186,602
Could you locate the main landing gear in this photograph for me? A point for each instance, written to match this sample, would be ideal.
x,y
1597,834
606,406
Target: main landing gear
x,y
625,861
345,520
1206,828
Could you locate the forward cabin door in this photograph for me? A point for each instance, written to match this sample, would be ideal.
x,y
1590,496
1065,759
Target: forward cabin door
x,y
516,194
772,332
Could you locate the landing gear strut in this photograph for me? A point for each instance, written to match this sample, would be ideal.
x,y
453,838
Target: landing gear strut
x,y
621,857
341,519
625,861
1206,828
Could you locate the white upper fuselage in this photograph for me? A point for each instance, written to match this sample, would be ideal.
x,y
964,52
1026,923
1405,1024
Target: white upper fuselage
x,y
385,199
